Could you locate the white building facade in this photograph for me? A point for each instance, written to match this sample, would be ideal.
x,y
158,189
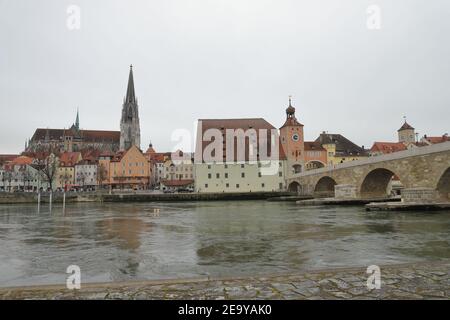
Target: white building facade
x,y
86,174
221,167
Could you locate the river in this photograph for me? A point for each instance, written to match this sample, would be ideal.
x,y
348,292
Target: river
x,y
133,241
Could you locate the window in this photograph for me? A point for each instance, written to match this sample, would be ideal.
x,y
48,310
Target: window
x,y
262,185
209,166
259,164
237,185
280,185
242,174
217,175
206,185
280,174
226,175
242,165
259,174
209,175
226,166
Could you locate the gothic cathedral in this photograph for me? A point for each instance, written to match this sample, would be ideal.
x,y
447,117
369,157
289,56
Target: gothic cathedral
x,y
130,133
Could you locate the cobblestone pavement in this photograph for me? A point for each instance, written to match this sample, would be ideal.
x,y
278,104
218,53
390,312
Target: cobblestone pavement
x,y
413,281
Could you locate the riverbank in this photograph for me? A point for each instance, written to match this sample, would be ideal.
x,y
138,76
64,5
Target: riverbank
x,y
407,206
57,197
344,202
408,281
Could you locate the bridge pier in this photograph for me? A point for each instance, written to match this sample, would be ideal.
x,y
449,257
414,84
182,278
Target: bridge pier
x,y
346,191
419,195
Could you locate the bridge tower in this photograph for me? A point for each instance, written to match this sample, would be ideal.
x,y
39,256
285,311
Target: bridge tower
x,y
406,134
293,142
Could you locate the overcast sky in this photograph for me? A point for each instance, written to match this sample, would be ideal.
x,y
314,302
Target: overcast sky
x,y
225,59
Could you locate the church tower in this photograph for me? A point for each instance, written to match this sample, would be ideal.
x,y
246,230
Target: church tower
x,y
293,142
406,134
130,133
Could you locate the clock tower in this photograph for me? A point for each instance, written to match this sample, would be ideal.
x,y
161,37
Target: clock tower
x,y
292,142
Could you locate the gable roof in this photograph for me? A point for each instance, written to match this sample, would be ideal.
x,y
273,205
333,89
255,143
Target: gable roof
x,y
22,160
86,135
440,139
69,159
118,156
344,147
406,126
7,157
387,147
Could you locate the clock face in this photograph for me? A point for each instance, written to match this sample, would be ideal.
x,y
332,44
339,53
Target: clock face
x,y
295,137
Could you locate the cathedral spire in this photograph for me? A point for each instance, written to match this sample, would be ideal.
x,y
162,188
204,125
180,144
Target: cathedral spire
x,y
77,121
130,89
130,133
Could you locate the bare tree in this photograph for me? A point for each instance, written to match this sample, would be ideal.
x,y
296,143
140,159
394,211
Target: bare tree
x,y
8,177
3,180
48,168
26,177
102,174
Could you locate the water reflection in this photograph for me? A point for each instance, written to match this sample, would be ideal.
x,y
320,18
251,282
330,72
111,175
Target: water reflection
x,y
112,242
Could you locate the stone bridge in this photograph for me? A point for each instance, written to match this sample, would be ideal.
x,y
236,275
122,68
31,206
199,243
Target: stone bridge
x,y
423,174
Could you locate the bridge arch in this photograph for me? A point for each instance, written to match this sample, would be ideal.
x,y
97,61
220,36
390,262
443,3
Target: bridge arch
x,y
377,183
325,187
443,186
294,187
314,164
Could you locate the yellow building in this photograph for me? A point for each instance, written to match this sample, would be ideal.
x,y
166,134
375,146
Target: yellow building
x,y
65,173
340,149
125,170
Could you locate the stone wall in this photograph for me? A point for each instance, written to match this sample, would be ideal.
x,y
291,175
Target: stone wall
x,y
345,191
419,195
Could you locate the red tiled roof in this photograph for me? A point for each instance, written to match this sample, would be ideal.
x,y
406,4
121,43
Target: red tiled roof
x,y
158,157
90,154
118,156
7,157
313,146
41,155
387,147
150,150
440,139
22,160
69,159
